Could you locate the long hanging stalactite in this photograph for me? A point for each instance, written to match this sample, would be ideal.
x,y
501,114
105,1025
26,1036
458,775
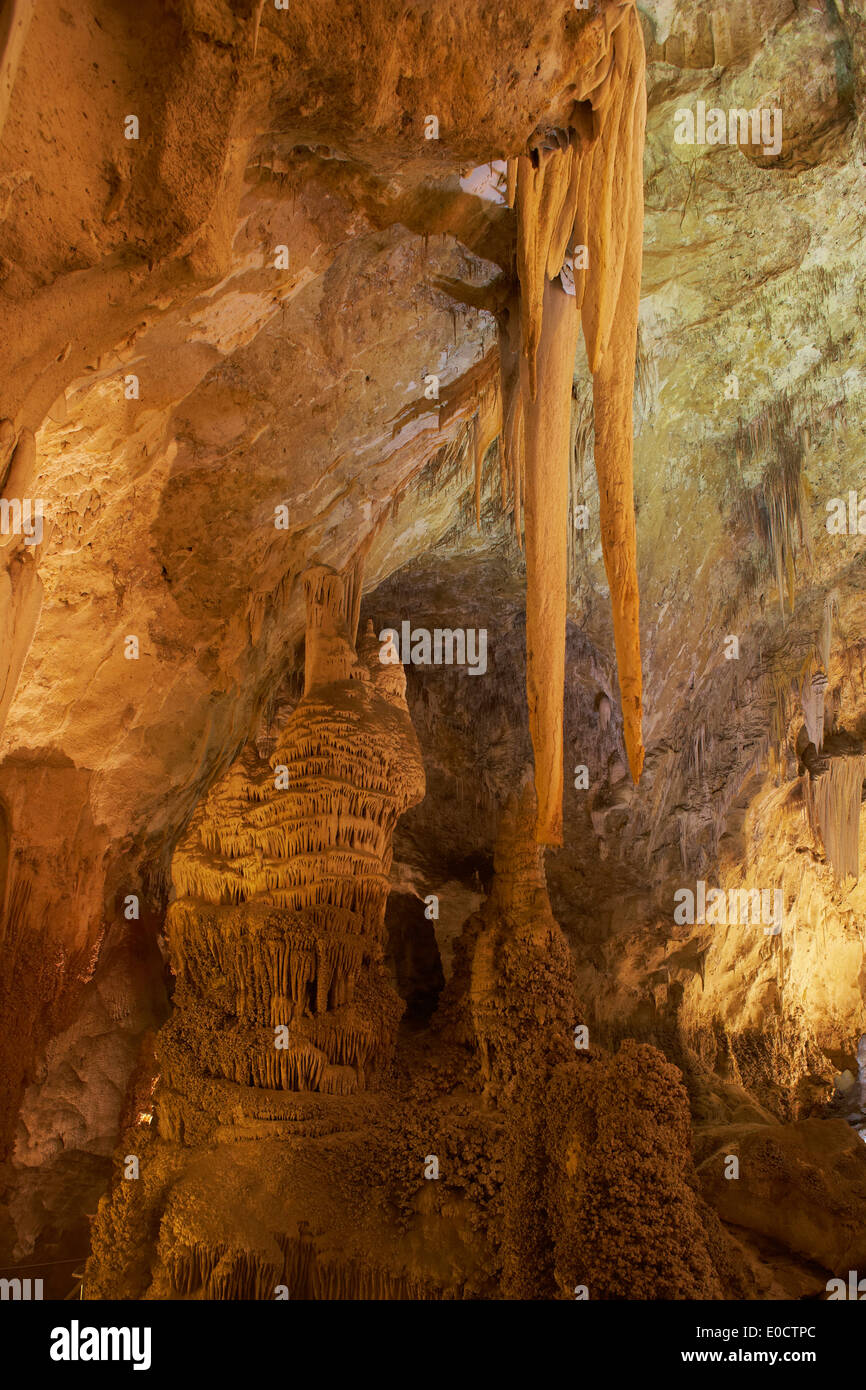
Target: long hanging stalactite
x,y
578,190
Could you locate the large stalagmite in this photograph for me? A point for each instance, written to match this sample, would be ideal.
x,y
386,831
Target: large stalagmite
x,y
282,878
297,1165
567,1107
579,198
282,1000
253,1191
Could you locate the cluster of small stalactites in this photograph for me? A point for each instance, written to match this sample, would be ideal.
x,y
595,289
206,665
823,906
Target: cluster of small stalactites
x,y
216,1271
335,1052
266,971
323,810
833,801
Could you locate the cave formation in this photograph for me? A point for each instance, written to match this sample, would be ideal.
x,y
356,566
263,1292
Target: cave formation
x,y
331,975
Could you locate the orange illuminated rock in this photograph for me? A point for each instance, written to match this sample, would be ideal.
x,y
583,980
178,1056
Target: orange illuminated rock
x,y
282,878
583,182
